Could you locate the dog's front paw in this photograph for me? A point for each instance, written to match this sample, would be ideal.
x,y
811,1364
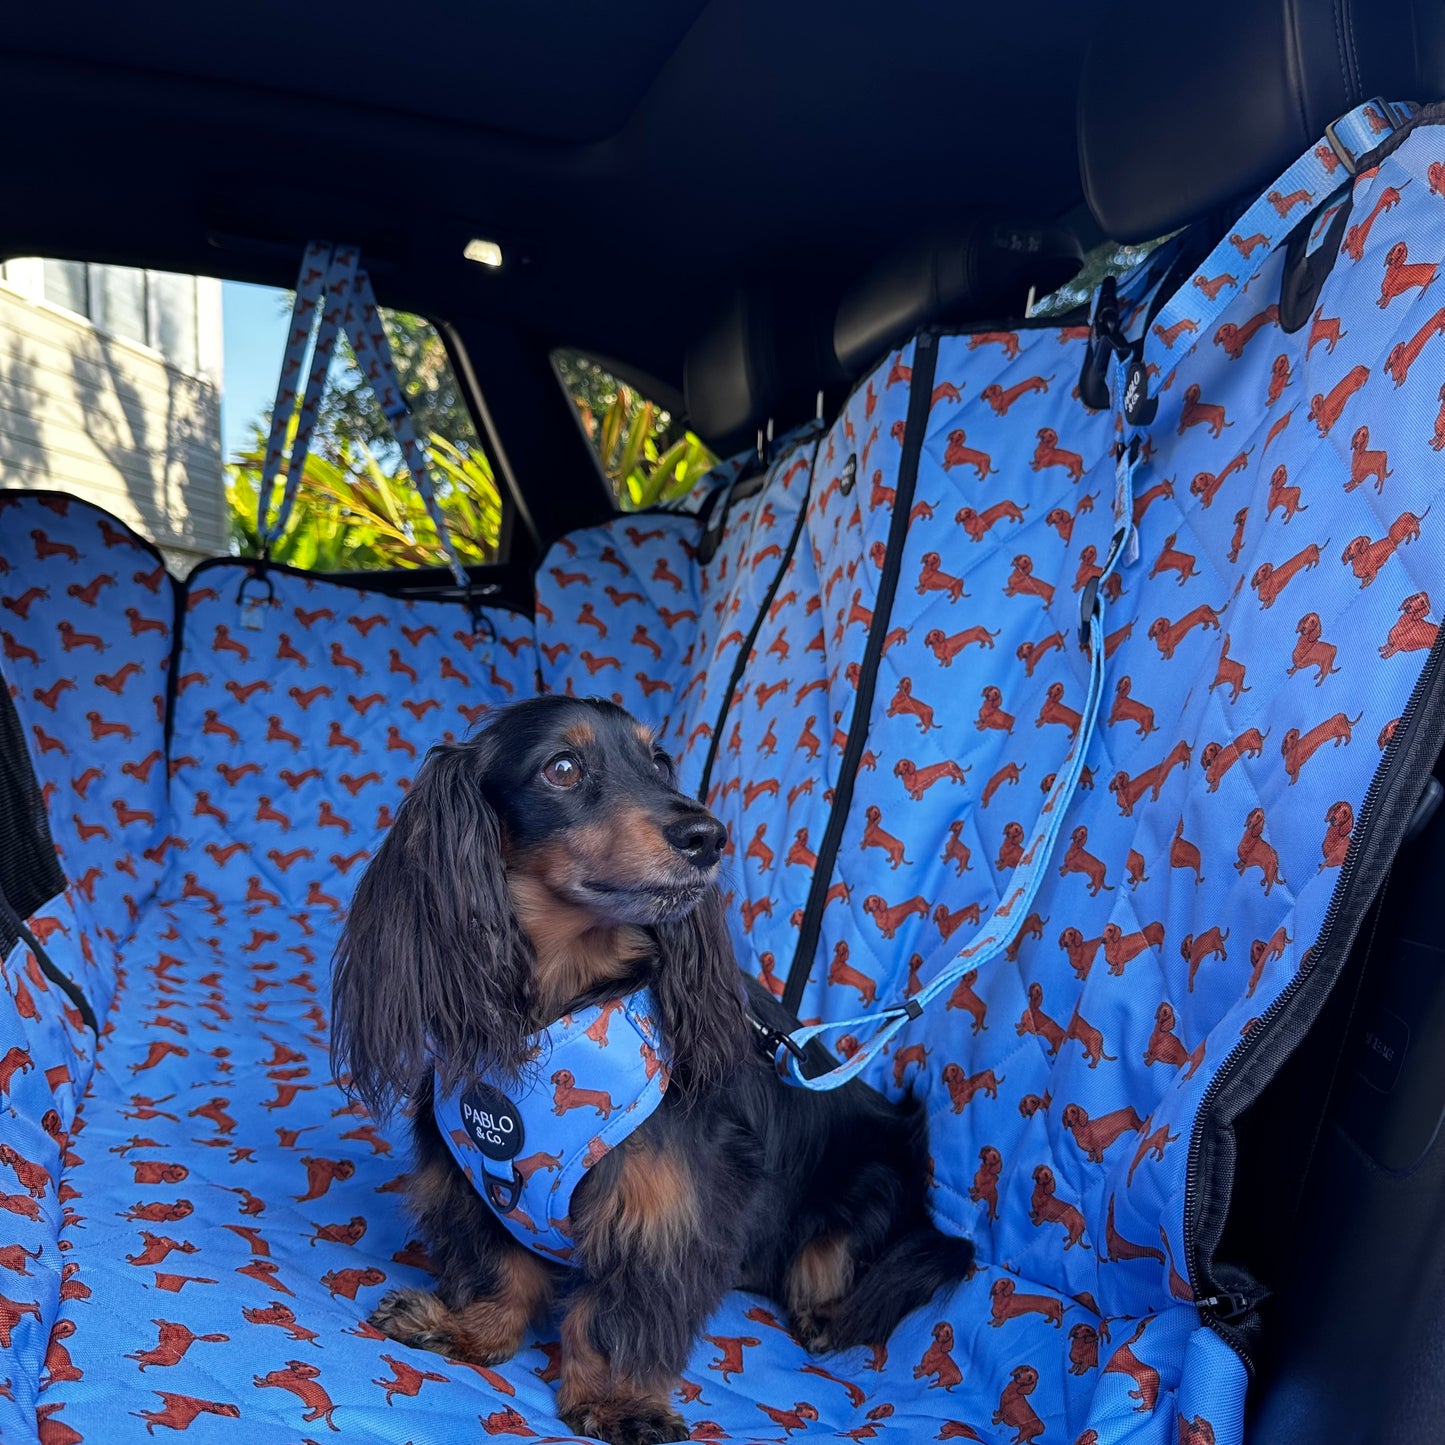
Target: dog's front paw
x,y
813,1329
630,1421
414,1317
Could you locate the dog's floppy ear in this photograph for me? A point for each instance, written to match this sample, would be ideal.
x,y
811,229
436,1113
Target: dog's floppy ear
x,y
699,990
432,968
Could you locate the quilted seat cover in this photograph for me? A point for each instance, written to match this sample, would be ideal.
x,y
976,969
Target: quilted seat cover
x,y
199,1240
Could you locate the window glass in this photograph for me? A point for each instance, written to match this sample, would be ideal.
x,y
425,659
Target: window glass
x,y
118,302
1109,258
645,454
171,318
357,506
67,284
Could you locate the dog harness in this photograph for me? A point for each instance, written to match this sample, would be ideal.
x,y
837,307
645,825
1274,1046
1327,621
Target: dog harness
x,y
598,1074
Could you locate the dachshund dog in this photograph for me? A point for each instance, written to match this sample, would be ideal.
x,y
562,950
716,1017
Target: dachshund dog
x,y
550,863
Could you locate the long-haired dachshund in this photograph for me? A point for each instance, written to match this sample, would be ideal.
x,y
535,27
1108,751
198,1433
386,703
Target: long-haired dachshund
x,y
550,863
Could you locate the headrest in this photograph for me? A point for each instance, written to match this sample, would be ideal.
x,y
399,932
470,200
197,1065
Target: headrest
x,y
764,357
1185,108
974,273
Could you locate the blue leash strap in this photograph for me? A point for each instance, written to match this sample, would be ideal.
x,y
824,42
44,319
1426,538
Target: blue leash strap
x,y
328,272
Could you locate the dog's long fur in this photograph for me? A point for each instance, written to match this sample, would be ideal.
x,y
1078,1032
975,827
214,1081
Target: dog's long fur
x,y
497,901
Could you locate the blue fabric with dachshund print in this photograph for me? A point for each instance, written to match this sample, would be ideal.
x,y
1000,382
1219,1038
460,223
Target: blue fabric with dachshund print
x,y
202,1236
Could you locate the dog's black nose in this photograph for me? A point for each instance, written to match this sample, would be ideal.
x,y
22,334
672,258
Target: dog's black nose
x,y
699,839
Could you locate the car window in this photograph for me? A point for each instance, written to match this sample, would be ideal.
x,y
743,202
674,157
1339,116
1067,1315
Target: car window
x,y
357,507
1108,258
644,453
150,394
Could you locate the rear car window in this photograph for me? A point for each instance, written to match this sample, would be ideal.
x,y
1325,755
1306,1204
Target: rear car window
x,y
645,454
150,394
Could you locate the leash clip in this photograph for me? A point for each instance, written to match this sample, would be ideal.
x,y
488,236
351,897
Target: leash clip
x,y
773,1040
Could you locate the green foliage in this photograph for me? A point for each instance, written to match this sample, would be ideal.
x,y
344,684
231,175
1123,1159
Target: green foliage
x,y
644,453
357,508
1107,259
352,513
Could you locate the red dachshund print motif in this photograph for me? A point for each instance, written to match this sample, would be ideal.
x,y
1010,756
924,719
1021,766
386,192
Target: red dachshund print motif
x,y
1413,632
1077,859
1054,711
1168,335
171,1345
1206,485
978,524
984,1189
1230,673
962,1087
1263,952
904,703
1094,1136
1341,820
731,1347
1201,413
1080,951
965,998
1083,1349
179,1412
1001,400
945,648
1046,1209
1235,338
1325,409
1366,462
1164,1048
1014,1411
566,1095
1022,582
917,781
991,715
958,453
1402,274
1090,1039
1120,1248
1170,560
1269,581
874,836
1217,758
1006,1303
1312,650
1359,233
1121,948
1048,453
891,917
1129,709
1365,558
1255,852
1036,1021
1168,635
932,578
843,974
1283,496
1405,354
937,1365
1298,749
302,1381
1145,1377
1129,791
1194,950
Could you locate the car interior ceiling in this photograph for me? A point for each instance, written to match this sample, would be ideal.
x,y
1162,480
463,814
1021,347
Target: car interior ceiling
x,y
750,192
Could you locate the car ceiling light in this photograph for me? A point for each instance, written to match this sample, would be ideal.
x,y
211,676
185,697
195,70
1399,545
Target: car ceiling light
x,y
484,253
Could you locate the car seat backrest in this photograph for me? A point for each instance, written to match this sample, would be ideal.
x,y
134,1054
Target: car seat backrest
x,y
1215,105
300,722
88,624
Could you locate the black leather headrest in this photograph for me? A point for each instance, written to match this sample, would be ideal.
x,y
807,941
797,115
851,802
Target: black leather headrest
x,y
763,358
974,273
1185,108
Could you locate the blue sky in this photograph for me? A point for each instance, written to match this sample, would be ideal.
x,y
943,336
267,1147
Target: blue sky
x,y
255,321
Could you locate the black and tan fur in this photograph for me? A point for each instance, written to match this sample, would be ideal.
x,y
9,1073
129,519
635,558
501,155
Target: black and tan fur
x,y
498,900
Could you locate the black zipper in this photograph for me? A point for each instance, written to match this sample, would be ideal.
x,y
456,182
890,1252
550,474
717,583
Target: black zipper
x,y
1411,753
925,358
741,661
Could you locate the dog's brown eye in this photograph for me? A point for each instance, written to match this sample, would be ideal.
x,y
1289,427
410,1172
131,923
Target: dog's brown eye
x,y
564,771
662,766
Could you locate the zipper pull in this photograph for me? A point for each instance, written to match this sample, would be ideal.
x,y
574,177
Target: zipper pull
x,y
1233,1304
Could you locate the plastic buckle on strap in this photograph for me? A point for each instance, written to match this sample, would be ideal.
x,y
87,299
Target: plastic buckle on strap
x,y
909,1009
253,607
1347,158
